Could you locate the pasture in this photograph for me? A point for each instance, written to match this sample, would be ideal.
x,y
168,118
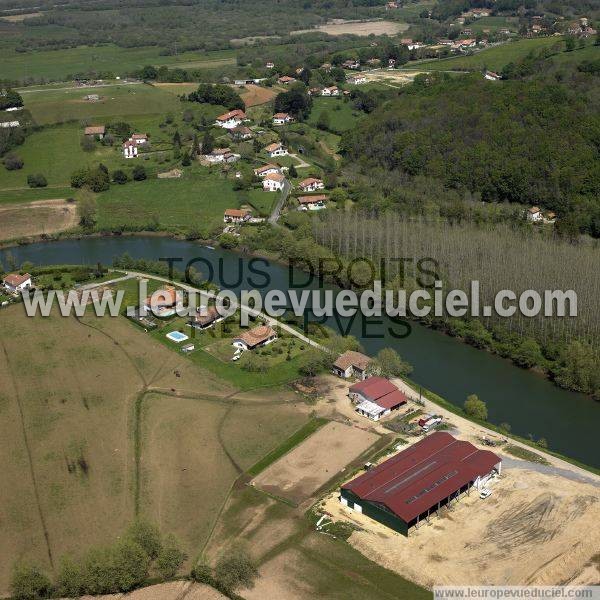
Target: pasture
x,y
342,116
119,100
494,58
196,201
61,64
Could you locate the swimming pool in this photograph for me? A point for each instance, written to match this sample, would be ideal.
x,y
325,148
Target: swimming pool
x,y
177,336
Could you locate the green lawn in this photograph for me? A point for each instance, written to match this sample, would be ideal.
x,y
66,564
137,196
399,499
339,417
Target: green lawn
x,y
60,64
342,116
262,202
56,105
194,202
494,23
491,58
29,195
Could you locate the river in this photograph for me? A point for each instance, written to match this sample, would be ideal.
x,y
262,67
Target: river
x,y
531,404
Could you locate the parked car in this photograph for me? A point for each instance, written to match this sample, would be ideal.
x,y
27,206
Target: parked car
x,y
485,493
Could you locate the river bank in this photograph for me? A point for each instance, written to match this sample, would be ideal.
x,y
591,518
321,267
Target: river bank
x,y
453,371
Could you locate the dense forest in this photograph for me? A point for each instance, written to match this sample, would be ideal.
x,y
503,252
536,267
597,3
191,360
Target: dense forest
x,y
176,25
532,141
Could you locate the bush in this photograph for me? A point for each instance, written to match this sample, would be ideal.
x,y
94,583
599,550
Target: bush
x,y
147,536
36,181
236,570
139,173
12,162
29,583
476,408
120,177
170,558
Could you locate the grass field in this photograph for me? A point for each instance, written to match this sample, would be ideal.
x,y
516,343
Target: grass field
x,y
60,105
196,201
60,64
263,202
31,194
341,114
491,58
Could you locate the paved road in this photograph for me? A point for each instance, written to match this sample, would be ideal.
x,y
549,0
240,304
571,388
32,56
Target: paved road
x,y
285,192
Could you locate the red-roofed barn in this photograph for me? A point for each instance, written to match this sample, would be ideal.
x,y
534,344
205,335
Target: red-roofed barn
x,y
418,481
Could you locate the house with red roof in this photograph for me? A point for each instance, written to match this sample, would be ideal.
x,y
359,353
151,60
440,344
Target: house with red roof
x,y
376,397
417,482
273,182
311,184
312,202
282,118
14,282
235,215
231,119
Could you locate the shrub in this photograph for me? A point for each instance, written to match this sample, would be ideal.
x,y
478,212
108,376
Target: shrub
x,y
475,407
36,181
29,583
236,570
139,173
12,162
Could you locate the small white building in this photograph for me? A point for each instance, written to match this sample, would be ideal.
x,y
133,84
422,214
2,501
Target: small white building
x,y
356,79
265,170
282,119
231,119
139,138
276,149
254,338
330,91
269,65
130,149
316,202
236,216
221,155
14,282
9,124
311,184
534,214
273,182
491,76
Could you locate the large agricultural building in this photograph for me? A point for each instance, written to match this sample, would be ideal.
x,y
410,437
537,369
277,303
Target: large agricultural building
x,y
418,481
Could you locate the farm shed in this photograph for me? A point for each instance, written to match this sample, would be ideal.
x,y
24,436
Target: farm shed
x,y
418,481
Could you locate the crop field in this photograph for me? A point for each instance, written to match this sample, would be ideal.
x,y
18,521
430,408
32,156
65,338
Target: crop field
x,y
254,95
60,105
494,58
60,64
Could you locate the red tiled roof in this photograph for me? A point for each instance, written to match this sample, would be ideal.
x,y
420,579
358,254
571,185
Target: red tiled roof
x,y
281,115
424,474
275,177
392,400
232,113
256,336
309,181
94,130
350,358
14,279
163,298
273,146
266,168
373,388
235,212
311,200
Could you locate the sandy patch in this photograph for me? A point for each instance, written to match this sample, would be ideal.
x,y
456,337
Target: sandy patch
x,y
535,529
393,78
254,95
19,18
174,590
35,218
362,28
301,472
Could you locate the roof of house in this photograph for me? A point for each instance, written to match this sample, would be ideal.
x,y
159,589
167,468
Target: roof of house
x,y
212,314
139,136
129,144
272,147
309,181
275,177
266,168
424,474
231,114
281,115
94,130
352,359
534,209
312,200
241,129
14,279
286,78
257,335
392,400
220,151
235,212
163,298
373,388
333,88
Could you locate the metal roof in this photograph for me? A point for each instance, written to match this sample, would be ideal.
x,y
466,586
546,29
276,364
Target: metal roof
x,y
424,474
